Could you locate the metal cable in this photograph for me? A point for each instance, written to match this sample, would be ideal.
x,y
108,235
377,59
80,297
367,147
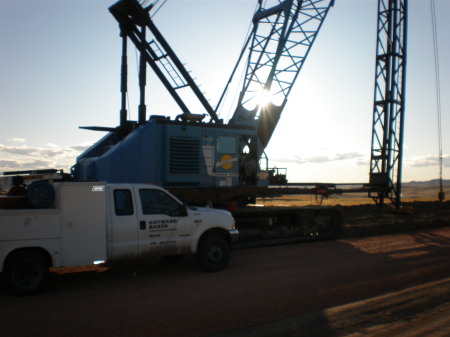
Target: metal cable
x,y
438,89
157,10
219,106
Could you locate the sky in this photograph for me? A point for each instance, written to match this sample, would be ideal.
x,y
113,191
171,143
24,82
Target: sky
x,y
60,69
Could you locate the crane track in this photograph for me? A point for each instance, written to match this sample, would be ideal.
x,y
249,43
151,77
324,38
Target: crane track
x,y
268,226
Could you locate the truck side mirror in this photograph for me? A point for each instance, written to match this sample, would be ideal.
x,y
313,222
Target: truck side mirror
x,y
180,211
184,211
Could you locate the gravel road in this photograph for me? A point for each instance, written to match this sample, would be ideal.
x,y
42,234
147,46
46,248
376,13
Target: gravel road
x,y
260,285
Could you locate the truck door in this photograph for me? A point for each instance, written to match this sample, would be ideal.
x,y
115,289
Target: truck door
x,y
164,224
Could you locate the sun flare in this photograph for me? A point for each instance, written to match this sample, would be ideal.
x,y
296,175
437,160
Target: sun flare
x,y
263,97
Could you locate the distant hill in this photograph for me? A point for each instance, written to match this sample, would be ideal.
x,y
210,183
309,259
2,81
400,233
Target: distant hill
x,y
424,190
433,182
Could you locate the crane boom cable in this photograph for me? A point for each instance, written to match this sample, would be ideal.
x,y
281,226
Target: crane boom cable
x,y
219,106
157,10
438,88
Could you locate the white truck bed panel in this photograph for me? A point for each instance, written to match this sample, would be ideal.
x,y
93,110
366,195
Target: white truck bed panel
x,y
33,224
83,223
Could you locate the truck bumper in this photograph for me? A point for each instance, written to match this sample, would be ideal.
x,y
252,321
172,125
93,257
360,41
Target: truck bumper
x,y
234,234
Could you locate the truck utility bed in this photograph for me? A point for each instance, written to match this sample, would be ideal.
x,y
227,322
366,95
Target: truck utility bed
x,y
74,225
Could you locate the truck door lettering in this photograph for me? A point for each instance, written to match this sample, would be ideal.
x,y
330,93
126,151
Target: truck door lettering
x,y
160,224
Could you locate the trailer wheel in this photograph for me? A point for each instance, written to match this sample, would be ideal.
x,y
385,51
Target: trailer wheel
x,y
213,253
324,222
26,272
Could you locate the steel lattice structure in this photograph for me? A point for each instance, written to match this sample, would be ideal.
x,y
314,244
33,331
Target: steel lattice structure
x,y
389,102
282,36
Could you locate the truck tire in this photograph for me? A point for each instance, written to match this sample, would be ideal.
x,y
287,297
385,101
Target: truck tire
x,y
26,272
213,253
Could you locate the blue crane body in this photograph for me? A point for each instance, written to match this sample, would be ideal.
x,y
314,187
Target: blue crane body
x,y
174,154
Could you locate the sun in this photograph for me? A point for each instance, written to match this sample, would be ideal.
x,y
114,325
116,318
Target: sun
x,y
263,97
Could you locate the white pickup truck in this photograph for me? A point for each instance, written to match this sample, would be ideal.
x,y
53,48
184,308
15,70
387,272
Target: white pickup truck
x,y
92,222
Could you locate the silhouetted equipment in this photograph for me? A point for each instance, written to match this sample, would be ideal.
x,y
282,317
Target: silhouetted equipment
x,y
219,162
188,153
389,102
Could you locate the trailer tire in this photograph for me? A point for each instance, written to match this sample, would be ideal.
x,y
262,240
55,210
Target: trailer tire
x,y
213,253
26,272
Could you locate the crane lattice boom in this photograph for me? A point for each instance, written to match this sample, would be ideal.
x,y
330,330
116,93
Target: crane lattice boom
x,y
282,36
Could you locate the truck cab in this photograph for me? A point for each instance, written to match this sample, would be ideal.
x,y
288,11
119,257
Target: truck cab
x,y
156,222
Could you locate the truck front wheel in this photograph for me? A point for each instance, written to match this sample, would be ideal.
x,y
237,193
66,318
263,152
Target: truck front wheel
x,y
213,253
26,272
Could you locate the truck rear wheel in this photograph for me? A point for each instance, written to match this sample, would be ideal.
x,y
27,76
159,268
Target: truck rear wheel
x,y
213,253
26,272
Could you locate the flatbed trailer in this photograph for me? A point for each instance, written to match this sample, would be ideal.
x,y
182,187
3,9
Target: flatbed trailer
x,y
261,225
286,224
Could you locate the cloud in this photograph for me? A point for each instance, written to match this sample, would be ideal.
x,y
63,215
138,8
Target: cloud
x,y
428,160
16,140
324,159
349,155
19,150
363,160
8,163
80,147
24,157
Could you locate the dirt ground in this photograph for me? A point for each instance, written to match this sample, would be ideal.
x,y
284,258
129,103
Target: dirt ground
x,y
345,287
416,311
422,310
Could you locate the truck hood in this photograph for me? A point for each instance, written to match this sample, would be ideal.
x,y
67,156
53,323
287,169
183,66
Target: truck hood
x,y
214,216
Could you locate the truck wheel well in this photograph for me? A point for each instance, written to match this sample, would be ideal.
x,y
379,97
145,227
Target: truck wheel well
x,y
218,232
34,250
